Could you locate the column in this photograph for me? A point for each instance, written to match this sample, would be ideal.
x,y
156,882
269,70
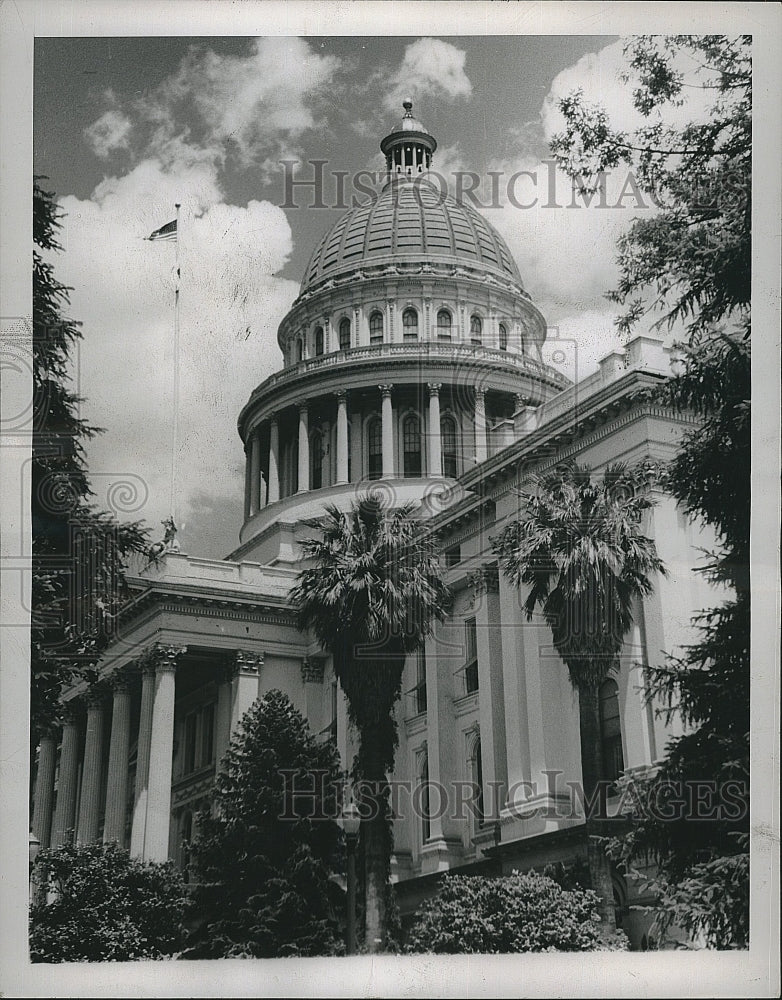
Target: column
x,y
273,491
89,805
312,679
142,757
247,479
387,416
480,425
161,749
65,812
342,437
44,788
255,472
223,731
304,449
245,684
490,684
119,749
435,449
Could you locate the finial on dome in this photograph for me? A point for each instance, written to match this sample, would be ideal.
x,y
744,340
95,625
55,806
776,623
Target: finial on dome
x,y
407,104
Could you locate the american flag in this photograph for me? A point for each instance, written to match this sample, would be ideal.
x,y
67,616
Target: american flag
x,y
167,232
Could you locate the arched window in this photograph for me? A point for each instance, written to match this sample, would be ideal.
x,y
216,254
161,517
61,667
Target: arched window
x,y
299,349
319,340
344,335
316,461
426,813
411,445
375,449
503,337
610,731
476,330
376,328
448,446
410,324
443,325
477,777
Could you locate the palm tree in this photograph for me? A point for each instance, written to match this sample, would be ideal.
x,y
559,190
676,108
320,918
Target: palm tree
x,y
370,597
579,549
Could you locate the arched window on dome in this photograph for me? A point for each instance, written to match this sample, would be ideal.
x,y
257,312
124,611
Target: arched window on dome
x,y
344,335
376,328
410,324
444,323
375,449
319,340
476,330
299,349
610,730
503,337
316,461
448,446
411,446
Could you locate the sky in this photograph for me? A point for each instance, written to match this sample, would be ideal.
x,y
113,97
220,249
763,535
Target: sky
x,y
126,127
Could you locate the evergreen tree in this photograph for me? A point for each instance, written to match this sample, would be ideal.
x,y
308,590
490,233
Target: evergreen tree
x,y
79,551
690,263
262,859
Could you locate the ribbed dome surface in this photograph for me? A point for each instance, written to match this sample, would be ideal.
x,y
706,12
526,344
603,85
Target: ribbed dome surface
x,y
411,222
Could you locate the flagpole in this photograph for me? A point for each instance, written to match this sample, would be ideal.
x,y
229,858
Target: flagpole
x,y
175,425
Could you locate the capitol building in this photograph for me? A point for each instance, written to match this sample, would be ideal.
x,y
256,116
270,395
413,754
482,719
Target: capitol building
x,y
412,366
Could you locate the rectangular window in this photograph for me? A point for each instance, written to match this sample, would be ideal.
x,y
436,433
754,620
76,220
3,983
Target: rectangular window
x,y
471,666
420,682
198,738
453,556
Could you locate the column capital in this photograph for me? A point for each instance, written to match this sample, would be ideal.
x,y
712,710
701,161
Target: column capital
x,y
522,401
161,657
273,418
434,388
119,681
342,395
242,661
69,713
303,406
480,394
386,389
95,696
312,669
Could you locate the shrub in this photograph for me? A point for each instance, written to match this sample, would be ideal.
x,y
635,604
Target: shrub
x,y
262,881
514,913
105,906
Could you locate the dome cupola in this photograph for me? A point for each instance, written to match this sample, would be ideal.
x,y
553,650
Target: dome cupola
x,y
408,149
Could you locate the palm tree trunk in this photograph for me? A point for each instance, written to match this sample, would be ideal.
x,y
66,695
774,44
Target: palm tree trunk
x,y
376,839
591,769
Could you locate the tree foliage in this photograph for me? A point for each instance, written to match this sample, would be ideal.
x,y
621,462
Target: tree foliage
x,y
262,859
370,595
472,914
105,906
690,262
78,550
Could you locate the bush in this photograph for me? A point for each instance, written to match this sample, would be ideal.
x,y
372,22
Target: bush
x,y
519,912
105,906
263,886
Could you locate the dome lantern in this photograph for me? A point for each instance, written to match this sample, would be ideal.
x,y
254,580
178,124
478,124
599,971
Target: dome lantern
x,y
409,147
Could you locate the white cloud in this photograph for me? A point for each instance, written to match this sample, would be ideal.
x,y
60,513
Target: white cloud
x,y
123,294
432,67
110,132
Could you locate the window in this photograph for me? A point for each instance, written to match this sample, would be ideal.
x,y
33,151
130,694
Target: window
x,y
411,438
471,645
376,328
453,556
610,731
426,824
299,350
448,446
419,691
198,738
344,335
316,461
375,442
503,337
319,340
184,847
476,330
333,725
443,325
477,777
410,324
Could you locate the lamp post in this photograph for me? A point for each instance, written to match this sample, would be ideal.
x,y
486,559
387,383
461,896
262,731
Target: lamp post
x,y
34,847
351,822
